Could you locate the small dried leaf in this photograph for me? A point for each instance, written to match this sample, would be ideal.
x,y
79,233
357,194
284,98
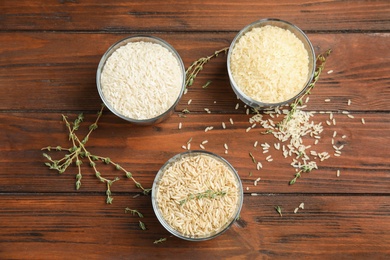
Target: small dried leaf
x,y
279,210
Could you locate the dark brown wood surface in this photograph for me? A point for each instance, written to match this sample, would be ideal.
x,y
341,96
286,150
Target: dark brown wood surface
x,y
49,52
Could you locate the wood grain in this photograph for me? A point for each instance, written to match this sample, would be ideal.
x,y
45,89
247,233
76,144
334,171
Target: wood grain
x,y
58,70
48,59
364,163
55,223
195,15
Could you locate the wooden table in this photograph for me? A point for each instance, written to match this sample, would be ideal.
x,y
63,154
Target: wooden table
x,y
49,55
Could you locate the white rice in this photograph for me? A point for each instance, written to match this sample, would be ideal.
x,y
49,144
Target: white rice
x,y
141,80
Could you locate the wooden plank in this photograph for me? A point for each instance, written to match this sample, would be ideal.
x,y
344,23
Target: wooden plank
x,y
155,15
364,163
56,71
42,226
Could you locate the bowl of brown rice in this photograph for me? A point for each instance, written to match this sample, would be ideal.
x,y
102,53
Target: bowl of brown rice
x,y
197,195
141,79
270,63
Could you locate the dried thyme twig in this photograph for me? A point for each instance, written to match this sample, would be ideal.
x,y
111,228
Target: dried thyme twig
x,y
134,212
304,168
210,194
320,61
78,152
193,70
159,241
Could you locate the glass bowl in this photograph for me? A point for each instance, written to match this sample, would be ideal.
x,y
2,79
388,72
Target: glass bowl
x,y
134,39
183,209
280,24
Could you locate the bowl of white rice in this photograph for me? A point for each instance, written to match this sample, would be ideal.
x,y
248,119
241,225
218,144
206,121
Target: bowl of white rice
x,y
141,79
270,63
197,195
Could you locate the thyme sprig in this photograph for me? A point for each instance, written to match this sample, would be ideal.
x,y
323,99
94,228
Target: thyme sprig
x,y
320,65
77,152
159,241
210,194
193,70
134,212
304,168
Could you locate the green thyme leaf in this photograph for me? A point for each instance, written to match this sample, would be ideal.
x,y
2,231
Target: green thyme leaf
x,y
279,210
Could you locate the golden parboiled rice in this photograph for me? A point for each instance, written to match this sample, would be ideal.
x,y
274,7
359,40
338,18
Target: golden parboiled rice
x,y
270,64
195,174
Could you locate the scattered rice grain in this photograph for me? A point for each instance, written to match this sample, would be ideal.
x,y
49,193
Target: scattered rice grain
x,y
259,166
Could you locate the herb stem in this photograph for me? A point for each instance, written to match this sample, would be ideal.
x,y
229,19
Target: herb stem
x,y
211,194
193,70
78,151
320,61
